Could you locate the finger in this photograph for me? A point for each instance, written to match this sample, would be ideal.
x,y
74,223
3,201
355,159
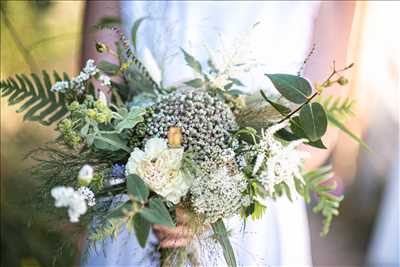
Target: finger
x,y
179,231
174,243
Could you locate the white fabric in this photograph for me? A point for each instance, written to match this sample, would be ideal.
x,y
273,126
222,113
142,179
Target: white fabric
x,y
280,42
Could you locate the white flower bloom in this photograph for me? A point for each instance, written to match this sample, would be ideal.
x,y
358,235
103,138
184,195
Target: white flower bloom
x,y
88,195
105,80
90,68
60,86
71,199
85,175
151,65
277,163
160,168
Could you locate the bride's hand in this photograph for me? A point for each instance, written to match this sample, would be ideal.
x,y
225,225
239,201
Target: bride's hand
x,y
178,236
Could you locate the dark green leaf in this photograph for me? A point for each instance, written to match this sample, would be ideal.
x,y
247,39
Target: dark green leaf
x,y
119,211
195,83
135,29
236,82
222,236
107,21
192,62
294,88
142,229
137,188
157,213
111,142
280,108
313,121
108,68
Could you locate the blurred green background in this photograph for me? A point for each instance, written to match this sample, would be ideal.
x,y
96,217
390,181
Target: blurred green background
x,y
47,35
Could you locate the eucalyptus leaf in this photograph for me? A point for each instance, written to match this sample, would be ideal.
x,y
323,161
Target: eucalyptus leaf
x,y
134,116
313,121
192,62
157,213
108,68
111,142
119,211
142,229
137,188
294,88
280,108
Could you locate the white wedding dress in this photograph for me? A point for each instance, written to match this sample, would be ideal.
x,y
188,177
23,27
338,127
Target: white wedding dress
x,y
280,42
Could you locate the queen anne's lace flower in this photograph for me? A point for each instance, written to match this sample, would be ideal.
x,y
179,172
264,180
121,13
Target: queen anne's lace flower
x,y
218,192
160,168
88,195
276,163
71,199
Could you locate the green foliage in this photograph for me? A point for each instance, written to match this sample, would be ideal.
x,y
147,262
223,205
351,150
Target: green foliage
x,y
280,108
222,236
137,188
314,121
106,22
108,68
192,62
134,30
39,103
157,213
142,229
133,117
294,88
338,105
195,83
318,182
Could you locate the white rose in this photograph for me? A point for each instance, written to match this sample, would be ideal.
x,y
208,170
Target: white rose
x,y
160,168
85,175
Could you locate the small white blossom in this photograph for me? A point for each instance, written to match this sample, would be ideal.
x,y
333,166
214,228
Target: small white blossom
x,y
60,87
277,163
105,80
88,195
85,175
71,199
90,68
160,168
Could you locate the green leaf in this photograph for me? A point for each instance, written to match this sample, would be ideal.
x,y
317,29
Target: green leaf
x,y
236,92
332,119
298,131
137,188
195,83
280,108
107,21
119,211
294,88
111,142
135,29
142,229
108,68
157,213
134,116
222,236
192,62
313,121
38,101
236,82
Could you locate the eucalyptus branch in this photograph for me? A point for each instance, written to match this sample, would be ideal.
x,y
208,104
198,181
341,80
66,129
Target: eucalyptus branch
x,y
319,90
306,60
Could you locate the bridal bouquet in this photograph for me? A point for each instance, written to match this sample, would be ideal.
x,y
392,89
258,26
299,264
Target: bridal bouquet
x,y
132,159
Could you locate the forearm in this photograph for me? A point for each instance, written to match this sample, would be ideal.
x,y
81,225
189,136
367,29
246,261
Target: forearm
x,y
94,11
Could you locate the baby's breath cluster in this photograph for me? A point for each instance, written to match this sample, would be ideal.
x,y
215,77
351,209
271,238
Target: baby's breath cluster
x,y
205,120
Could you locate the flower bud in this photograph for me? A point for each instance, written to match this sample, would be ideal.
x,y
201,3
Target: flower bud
x,y
73,106
85,175
101,118
342,80
101,47
91,113
175,137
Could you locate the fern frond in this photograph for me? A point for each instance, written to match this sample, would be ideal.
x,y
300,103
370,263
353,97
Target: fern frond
x,y
338,105
38,101
319,182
